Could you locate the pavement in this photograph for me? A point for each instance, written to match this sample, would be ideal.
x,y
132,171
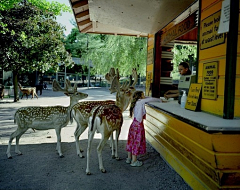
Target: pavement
x,y
38,168
50,98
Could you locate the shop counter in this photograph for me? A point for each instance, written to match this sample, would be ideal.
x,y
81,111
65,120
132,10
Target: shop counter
x,y
201,120
203,148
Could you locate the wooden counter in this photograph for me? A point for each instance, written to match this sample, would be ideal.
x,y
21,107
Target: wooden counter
x,y
201,120
204,149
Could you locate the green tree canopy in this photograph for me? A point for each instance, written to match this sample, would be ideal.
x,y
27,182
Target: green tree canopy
x,y
33,40
106,51
54,7
182,53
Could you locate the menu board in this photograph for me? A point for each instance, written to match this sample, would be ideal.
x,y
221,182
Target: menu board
x,y
193,97
210,76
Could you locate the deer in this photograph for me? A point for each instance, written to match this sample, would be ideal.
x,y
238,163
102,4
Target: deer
x,y
104,119
45,117
28,91
81,111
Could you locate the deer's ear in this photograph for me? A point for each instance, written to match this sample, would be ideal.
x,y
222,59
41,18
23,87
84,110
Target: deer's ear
x,y
75,87
67,94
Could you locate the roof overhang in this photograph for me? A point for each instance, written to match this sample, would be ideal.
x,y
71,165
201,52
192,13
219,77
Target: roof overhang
x,y
127,17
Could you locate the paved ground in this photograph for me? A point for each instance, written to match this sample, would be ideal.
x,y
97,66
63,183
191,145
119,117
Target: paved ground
x,y
40,167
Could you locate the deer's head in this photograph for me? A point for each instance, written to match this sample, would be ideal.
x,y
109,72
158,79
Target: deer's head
x,y
124,91
75,96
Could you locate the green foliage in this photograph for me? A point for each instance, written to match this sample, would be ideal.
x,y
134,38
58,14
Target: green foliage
x,y
182,53
106,51
33,40
54,7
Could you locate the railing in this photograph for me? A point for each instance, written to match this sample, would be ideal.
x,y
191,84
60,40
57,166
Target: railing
x,y
8,92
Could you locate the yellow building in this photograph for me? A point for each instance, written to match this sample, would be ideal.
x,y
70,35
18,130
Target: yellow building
x,y
202,141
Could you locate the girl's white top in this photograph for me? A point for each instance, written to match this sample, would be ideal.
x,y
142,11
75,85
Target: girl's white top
x,y
139,110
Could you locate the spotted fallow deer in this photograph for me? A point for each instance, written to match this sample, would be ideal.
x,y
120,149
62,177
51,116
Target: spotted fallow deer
x,y
105,119
44,118
82,110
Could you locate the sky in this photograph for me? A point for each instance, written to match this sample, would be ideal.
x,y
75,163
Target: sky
x,y
65,18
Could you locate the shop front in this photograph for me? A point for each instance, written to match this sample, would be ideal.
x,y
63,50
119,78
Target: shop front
x,y
201,141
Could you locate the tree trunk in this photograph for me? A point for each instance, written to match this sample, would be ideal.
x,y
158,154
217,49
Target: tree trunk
x,y
15,83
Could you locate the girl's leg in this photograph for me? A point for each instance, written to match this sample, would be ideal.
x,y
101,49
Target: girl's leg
x,y
129,155
129,158
134,158
135,162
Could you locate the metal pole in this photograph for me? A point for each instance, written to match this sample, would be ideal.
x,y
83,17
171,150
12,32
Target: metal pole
x,y
65,74
231,61
89,73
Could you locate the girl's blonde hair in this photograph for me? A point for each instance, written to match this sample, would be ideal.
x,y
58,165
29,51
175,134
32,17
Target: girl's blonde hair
x,y
136,96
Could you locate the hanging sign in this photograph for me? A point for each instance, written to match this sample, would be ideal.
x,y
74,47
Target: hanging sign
x,y
148,84
209,28
225,17
193,98
179,29
150,57
210,76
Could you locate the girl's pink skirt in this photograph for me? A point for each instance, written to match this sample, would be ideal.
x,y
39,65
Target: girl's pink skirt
x,y
136,143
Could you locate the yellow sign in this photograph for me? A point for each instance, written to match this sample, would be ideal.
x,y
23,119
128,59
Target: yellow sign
x,y
150,57
210,76
209,36
179,29
148,84
193,97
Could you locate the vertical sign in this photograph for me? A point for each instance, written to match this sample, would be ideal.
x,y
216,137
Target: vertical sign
x,y
148,84
225,17
150,57
193,97
210,76
209,36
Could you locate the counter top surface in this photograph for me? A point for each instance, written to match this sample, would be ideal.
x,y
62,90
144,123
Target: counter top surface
x,y
199,119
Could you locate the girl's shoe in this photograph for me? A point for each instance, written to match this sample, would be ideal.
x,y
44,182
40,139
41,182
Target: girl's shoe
x,y
128,160
136,164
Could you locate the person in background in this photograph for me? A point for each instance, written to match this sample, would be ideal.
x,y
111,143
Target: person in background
x,y
136,142
183,69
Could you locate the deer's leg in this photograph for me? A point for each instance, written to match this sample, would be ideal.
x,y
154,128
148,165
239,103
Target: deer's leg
x,y
90,138
12,136
116,143
112,144
36,94
103,141
79,130
17,140
58,148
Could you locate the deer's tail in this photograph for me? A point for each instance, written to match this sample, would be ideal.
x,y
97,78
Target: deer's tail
x,y
94,114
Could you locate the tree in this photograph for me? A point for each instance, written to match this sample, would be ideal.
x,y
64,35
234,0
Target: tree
x,y
106,51
182,53
54,7
33,41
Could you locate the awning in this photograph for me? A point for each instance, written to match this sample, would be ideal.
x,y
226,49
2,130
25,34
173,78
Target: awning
x,y
127,17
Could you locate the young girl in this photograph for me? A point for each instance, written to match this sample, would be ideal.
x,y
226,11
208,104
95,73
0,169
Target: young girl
x,y
136,143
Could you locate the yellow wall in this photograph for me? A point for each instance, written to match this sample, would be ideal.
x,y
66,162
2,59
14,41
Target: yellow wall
x,y
217,53
204,160
149,70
